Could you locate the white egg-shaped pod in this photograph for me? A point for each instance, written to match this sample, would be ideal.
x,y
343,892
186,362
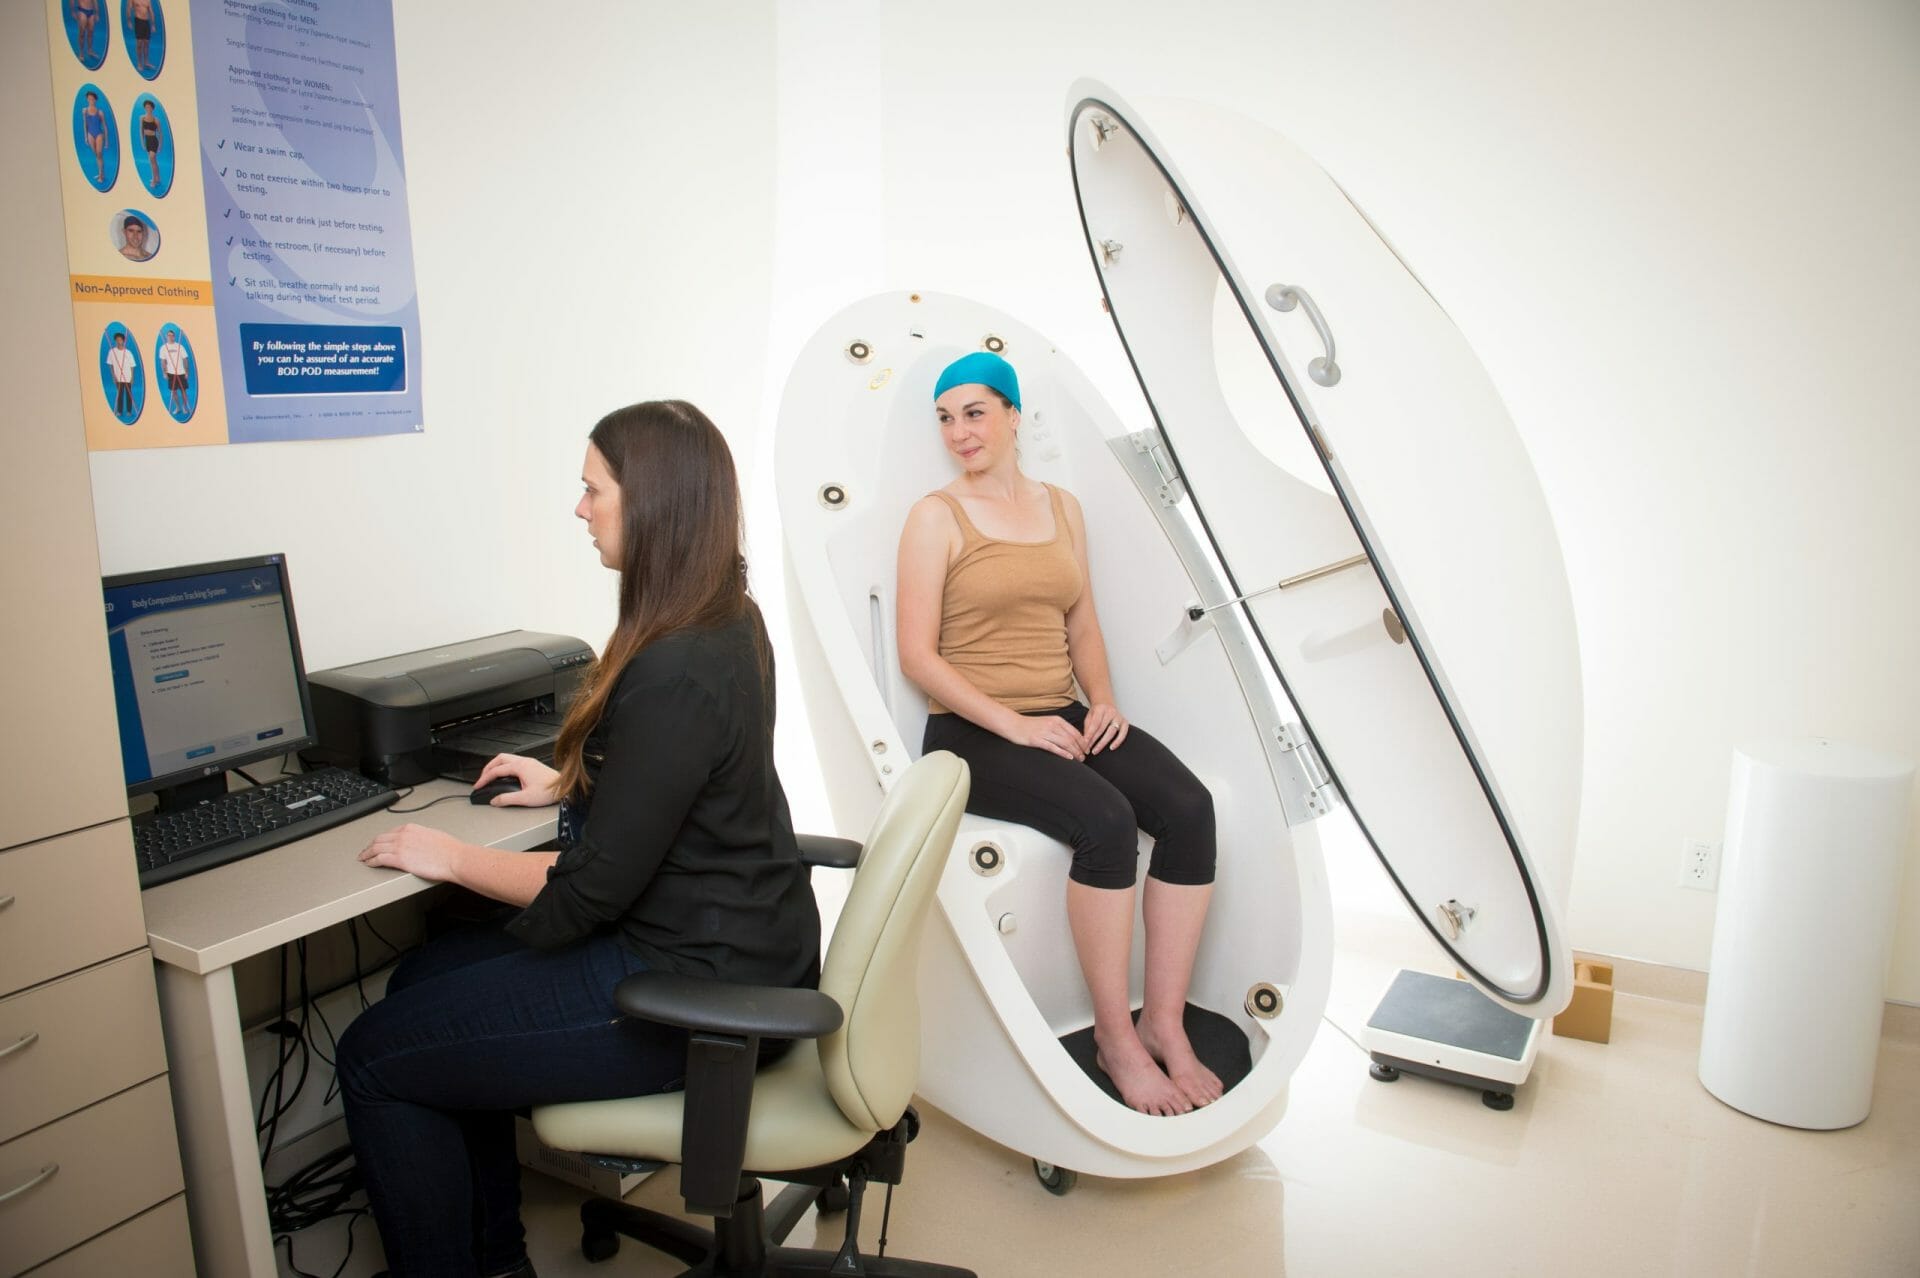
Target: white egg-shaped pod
x,y
1341,586
857,445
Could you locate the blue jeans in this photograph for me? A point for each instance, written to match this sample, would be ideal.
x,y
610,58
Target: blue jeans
x,y
474,1026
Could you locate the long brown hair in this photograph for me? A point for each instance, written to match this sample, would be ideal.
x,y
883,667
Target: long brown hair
x,y
680,563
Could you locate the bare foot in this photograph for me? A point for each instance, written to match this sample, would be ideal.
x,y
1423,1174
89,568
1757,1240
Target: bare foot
x,y
1169,1046
1142,1085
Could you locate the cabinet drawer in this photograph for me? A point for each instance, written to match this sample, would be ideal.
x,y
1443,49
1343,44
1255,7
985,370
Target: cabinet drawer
x,y
112,1160
154,1244
69,1042
75,901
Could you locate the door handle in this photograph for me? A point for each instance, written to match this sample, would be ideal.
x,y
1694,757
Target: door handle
x,y
1284,297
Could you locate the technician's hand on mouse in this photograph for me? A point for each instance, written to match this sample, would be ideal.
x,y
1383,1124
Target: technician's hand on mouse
x,y
1051,733
1106,727
419,850
537,781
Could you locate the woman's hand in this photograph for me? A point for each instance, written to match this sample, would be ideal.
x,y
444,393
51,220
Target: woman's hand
x,y
536,780
421,851
1106,728
1049,732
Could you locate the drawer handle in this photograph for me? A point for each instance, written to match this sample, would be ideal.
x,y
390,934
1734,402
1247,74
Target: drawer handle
x,y
6,900
27,1039
46,1174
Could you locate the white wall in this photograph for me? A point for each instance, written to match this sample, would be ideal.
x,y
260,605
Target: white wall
x,y
1680,238
1677,235
590,205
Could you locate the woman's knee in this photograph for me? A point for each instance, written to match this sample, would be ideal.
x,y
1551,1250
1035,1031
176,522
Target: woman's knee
x,y
370,1039
1188,808
410,970
1106,847
1186,851
353,1055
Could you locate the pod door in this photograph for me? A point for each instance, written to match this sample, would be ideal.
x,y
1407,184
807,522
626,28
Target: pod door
x,y
1420,622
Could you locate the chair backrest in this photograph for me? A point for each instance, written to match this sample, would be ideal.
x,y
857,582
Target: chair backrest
x,y
872,968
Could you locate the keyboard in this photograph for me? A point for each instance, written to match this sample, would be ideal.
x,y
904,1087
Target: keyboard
x,y
172,845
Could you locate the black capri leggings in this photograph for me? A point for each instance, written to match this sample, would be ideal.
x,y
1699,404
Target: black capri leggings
x,y
1093,806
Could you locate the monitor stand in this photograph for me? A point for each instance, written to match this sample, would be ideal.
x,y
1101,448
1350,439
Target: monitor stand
x,y
174,797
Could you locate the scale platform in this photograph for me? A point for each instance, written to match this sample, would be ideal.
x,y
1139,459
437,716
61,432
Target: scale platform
x,y
1449,1030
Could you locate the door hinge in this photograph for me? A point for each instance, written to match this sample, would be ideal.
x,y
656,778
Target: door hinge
x,y
1308,792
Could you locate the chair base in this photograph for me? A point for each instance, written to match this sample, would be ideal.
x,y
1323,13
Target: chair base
x,y
746,1243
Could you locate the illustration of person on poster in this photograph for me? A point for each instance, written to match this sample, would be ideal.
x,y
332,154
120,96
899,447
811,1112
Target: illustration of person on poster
x,y
123,370
82,18
156,145
175,361
138,240
146,40
100,139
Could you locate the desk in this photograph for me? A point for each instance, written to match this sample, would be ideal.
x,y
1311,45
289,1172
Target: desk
x,y
199,927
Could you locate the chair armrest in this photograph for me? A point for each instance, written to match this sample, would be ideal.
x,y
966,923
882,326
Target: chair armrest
x,y
726,1023
826,850
722,1007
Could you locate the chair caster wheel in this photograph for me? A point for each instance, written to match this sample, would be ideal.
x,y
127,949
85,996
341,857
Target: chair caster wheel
x,y
1497,1100
1383,1073
597,1247
1057,1180
833,1199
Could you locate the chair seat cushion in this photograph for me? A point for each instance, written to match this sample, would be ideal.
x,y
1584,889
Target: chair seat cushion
x,y
794,1122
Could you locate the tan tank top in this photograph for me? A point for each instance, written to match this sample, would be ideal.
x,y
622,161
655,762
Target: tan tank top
x,y
1003,616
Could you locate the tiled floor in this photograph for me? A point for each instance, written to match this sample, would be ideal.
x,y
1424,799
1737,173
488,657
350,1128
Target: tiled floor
x,y
1613,1161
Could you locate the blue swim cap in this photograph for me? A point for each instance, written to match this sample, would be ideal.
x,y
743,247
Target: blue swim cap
x,y
984,368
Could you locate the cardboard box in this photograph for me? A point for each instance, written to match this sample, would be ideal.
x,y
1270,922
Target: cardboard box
x,y
571,1168
1590,1015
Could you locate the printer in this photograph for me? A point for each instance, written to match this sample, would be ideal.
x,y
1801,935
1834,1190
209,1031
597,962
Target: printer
x,y
445,711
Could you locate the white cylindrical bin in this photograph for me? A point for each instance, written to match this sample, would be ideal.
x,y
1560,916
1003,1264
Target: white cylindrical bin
x,y
1804,930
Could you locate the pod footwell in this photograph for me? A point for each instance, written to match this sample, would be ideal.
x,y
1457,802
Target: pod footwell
x,y
1217,1041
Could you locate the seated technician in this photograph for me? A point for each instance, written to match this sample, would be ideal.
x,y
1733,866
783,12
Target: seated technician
x,y
678,854
996,624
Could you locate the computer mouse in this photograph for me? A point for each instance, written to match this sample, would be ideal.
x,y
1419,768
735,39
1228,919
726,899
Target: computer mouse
x,y
499,785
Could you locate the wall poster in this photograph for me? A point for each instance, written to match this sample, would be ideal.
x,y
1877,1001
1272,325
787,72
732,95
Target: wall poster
x,y
236,202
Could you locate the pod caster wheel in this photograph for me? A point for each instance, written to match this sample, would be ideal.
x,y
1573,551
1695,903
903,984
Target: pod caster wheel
x,y
833,1199
1383,1073
1056,1180
597,1247
1502,1101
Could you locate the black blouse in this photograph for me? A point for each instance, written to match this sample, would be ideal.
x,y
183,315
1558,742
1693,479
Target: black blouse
x,y
684,841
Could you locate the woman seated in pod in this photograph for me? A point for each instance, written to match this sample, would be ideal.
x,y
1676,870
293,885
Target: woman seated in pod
x,y
996,623
677,853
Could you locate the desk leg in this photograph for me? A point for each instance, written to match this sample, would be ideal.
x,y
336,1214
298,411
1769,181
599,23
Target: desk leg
x,y
212,1105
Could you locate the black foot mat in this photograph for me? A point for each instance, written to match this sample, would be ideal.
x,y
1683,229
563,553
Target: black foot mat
x,y
1216,1040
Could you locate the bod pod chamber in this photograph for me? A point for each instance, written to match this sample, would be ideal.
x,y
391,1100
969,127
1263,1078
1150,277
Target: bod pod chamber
x,y
1298,578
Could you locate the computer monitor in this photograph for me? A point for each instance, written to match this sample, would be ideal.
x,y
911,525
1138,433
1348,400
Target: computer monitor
x,y
207,674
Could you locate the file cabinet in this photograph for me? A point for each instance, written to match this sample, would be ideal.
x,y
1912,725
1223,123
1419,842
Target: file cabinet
x,y
90,1175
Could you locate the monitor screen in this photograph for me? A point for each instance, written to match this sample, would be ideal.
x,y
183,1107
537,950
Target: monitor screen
x,y
206,669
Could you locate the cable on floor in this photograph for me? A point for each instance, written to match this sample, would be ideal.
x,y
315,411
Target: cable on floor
x,y
1350,1038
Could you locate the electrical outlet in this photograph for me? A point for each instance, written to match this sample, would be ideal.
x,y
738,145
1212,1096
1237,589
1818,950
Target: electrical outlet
x,y
1699,865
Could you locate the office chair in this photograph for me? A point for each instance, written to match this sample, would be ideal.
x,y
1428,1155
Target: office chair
x,y
832,1110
